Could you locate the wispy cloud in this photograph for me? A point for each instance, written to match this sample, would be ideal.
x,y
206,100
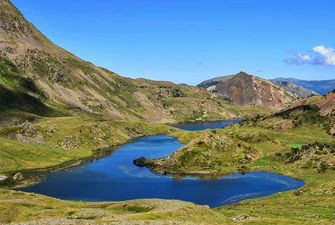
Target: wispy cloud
x,y
320,55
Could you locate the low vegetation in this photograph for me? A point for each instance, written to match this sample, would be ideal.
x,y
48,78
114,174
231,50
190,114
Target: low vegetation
x,y
317,156
52,141
18,207
208,154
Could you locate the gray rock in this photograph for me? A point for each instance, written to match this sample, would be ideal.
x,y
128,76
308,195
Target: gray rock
x,y
3,177
27,129
18,177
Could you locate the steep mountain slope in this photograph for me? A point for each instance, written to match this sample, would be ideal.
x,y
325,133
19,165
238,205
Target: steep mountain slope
x,y
295,89
214,81
245,89
321,87
38,77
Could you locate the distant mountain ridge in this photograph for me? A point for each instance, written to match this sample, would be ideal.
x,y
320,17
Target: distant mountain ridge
x,y
295,89
245,89
321,87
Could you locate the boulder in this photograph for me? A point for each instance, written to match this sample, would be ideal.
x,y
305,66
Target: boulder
x,y
27,129
3,177
69,142
18,177
141,162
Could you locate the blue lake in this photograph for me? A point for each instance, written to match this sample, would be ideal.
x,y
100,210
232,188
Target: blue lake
x,y
203,125
116,178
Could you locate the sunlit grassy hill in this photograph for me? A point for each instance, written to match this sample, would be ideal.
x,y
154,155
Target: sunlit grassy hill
x,y
39,77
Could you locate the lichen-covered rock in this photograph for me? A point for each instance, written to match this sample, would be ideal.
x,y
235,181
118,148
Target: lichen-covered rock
x,y
69,142
36,140
18,177
28,133
27,129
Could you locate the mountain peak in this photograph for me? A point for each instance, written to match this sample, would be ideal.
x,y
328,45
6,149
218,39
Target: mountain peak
x,y
216,80
245,89
15,29
243,73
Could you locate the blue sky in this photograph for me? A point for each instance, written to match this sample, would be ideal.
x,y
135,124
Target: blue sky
x,y
188,41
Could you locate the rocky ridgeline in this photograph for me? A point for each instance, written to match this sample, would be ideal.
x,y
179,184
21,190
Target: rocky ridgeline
x,y
13,23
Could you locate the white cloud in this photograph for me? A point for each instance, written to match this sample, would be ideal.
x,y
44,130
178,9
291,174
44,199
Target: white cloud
x,y
304,57
327,54
320,55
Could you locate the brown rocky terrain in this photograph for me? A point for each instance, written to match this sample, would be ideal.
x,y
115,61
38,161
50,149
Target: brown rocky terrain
x,y
245,89
327,105
313,111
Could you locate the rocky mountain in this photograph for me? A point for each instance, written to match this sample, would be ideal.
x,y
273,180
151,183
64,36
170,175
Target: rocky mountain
x,y
289,86
245,89
38,77
321,87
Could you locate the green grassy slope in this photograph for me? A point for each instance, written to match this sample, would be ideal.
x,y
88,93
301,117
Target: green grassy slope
x,y
52,141
20,207
38,75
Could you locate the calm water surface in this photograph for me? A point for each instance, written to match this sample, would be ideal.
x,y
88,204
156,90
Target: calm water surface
x,y
195,126
116,178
